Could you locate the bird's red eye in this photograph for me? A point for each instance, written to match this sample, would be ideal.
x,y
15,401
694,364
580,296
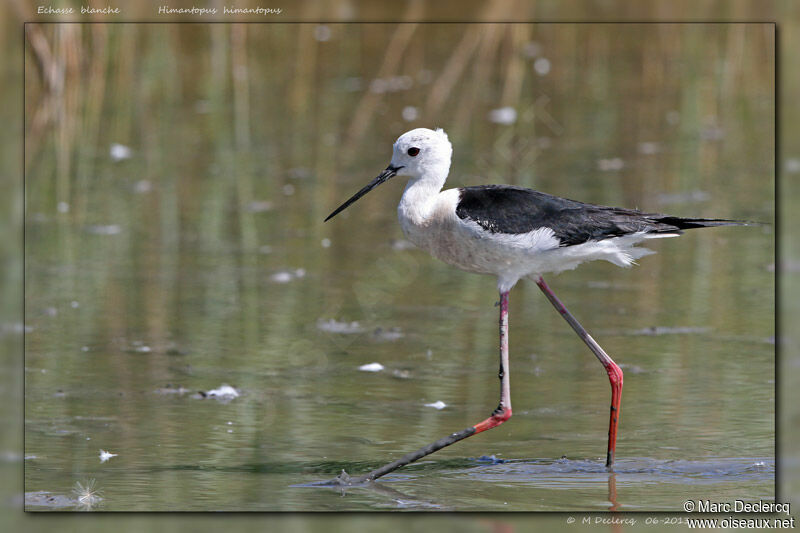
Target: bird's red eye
x,y
413,152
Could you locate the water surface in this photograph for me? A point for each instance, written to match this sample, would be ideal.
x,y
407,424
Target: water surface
x,y
198,258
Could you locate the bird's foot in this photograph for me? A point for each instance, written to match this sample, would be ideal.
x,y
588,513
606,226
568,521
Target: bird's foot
x,y
343,479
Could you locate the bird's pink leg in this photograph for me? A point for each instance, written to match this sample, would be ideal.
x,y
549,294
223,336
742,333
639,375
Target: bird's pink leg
x,y
614,371
503,411
500,415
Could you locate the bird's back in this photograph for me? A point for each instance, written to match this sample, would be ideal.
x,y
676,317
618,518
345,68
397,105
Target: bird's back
x,y
514,210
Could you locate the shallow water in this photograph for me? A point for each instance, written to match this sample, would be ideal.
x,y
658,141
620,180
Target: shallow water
x,y
202,260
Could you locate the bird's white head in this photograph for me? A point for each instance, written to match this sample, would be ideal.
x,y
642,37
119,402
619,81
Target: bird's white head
x,y
420,154
423,154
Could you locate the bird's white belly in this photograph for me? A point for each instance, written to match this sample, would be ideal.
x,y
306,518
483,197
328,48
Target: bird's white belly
x,y
444,241
465,245
511,257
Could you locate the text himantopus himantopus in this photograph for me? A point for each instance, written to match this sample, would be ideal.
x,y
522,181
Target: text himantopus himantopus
x,y
512,233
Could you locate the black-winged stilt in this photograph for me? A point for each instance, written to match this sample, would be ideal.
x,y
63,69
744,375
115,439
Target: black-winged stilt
x,y
512,233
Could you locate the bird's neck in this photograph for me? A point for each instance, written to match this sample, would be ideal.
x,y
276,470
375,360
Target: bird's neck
x,y
419,200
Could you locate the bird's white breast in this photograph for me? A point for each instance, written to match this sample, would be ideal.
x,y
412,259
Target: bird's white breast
x,y
430,222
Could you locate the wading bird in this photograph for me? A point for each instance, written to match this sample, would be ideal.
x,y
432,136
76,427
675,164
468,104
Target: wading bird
x,y
512,233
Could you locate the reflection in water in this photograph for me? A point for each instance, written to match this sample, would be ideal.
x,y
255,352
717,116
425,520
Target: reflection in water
x,y
563,475
498,526
400,500
200,259
612,491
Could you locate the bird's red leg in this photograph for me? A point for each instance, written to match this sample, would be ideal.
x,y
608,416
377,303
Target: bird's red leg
x,y
503,411
614,372
500,415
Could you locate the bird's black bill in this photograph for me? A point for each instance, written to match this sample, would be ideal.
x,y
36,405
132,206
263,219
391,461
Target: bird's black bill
x,y
384,176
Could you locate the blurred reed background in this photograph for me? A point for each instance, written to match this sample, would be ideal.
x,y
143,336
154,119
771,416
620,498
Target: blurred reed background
x,y
314,108
316,98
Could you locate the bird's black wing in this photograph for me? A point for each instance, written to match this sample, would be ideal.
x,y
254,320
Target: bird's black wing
x,y
512,210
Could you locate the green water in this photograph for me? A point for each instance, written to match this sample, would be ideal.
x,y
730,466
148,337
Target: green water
x,y
202,260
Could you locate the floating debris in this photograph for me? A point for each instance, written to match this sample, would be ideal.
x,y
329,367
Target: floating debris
x,y
105,456
288,189
299,173
259,206
170,389
87,494
503,115
326,242
42,498
600,284
62,207
491,459
401,374
174,349
109,229
9,456
391,334
371,367
334,326
119,152
285,276
138,347
648,148
792,165
142,187
437,405
614,163
14,328
224,392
